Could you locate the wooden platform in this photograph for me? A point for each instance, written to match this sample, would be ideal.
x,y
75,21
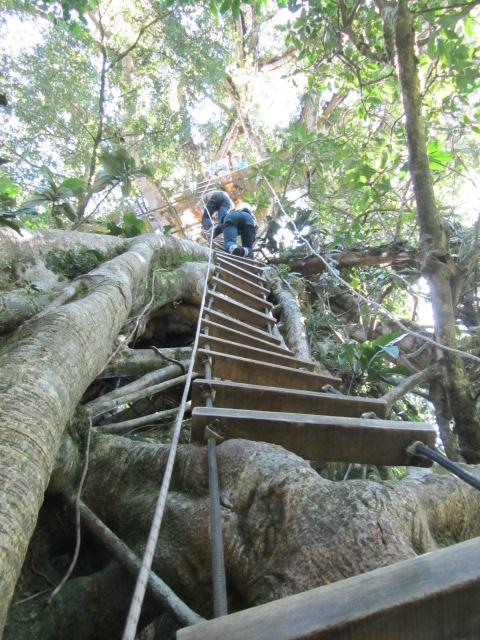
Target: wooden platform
x,y
318,437
238,395
435,596
228,367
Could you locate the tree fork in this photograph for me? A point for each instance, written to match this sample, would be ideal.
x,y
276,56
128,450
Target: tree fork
x,y
438,266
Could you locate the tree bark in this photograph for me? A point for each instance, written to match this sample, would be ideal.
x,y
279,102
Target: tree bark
x,y
438,266
46,367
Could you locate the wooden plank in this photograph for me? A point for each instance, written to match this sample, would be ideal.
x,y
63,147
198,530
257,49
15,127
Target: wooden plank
x,y
238,325
240,295
328,438
239,395
237,349
238,270
239,310
246,263
233,278
218,330
252,371
435,596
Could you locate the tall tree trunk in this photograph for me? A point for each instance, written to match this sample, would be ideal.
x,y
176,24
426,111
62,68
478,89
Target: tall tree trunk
x,y
46,367
438,266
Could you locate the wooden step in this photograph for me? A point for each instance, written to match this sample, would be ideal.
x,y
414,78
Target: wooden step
x,y
239,311
313,437
240,295
251,371
435,596
234,268
243,283
239,395
218,330
238,325
236,349
246,263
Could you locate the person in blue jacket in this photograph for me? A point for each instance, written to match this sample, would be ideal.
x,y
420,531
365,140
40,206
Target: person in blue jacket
x,y
231,221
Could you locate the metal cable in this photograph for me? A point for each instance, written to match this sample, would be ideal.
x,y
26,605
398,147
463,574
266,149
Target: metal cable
x,y
379,307
421,450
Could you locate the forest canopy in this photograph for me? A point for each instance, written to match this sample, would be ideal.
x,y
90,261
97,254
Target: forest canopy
x,y
352,127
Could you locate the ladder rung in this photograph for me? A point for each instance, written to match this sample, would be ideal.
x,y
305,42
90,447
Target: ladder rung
x,y
327,438
247,263
239,310
233,323
240,295
434,596
239,395
243,283
238,369
244,351
219,330
238,270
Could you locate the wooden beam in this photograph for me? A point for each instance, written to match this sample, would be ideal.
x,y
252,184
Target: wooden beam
x,y
435,596
218,330
240,295
244,351
252,371
238,310
313,437
239,395
243,283
235,268
238,325
246,263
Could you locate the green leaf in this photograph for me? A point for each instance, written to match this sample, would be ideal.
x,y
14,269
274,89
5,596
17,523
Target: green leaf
x,y
114,229
75,185
392,350
69,211
130,218
8,187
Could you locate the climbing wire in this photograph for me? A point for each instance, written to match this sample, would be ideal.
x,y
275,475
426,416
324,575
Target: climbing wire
x,y
142,578
377,306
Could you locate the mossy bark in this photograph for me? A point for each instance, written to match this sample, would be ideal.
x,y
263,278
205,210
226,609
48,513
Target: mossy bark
x,y
46,367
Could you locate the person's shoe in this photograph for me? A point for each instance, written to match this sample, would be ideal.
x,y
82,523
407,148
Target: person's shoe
x,y
240,251
233,249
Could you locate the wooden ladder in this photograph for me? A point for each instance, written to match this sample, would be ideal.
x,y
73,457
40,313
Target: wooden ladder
x,y
257,389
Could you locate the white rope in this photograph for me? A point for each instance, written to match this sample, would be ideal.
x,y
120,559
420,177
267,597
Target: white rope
x,y
379,307
136,603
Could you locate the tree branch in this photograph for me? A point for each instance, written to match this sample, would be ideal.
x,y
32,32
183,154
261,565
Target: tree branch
x,y
413,381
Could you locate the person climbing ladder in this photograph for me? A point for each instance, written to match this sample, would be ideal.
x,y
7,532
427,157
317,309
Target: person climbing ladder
x,y
240,220
231,222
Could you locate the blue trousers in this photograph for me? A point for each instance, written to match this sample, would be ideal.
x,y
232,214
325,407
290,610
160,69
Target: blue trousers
x,y
238,222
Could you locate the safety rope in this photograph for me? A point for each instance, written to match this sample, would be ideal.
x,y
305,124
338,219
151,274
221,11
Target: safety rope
x,y
379,307
136,603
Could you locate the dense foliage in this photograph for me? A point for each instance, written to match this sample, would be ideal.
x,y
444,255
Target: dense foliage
x,y
113,100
